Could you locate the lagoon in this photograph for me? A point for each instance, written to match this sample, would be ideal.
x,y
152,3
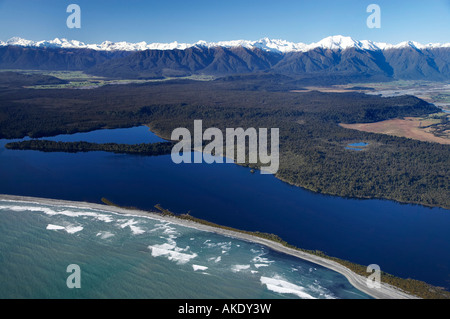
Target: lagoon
x,y
405,240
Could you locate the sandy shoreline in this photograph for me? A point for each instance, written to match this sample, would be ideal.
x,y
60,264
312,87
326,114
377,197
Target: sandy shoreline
x,y
358,281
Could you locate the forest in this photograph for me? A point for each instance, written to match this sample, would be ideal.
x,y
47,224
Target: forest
x,y
147,149
312,144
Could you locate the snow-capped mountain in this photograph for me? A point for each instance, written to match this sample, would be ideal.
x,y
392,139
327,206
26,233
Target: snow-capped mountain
x,y
332,59
337,42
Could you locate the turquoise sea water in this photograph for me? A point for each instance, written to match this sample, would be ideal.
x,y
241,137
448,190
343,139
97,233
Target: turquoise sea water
x,y
125,256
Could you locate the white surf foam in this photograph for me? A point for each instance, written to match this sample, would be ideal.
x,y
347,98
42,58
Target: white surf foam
x,y
198,267
224,245
53,212
321,290
215,259
71,229
262,260
237,268
172,251
177,256
55,227
131,223
104,234
277,284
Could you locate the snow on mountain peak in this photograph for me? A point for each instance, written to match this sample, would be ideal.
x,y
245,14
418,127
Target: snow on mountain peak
x,y
19,41
336,42
339,42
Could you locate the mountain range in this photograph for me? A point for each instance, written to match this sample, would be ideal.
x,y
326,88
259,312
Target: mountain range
x,y
334,59
337,42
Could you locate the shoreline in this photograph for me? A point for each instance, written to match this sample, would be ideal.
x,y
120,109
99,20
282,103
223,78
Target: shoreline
x,y
359,282
284,180
430,206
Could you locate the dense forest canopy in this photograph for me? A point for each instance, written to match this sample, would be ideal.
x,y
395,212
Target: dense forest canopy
x,y
312,144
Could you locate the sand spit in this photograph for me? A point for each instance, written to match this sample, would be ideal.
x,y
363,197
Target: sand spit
x,y
359,282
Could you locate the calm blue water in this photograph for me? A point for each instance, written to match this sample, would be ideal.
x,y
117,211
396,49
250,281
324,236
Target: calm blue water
x,y
405,240
353,148
356,146
360,144
134,135
124,256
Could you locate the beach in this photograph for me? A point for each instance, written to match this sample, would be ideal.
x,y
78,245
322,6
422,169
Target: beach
x,y
359,282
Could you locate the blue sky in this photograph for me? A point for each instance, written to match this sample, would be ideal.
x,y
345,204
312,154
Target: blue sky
x,y
213,20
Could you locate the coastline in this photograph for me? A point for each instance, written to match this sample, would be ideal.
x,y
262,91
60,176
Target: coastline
x,y
359,282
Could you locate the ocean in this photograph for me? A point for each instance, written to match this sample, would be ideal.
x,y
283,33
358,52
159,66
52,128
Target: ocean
x,y
128,256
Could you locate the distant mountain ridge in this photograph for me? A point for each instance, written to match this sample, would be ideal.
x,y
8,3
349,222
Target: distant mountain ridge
x,y
337,42
333,60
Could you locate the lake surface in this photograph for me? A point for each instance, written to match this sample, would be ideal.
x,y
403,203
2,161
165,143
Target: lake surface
x,y
359,144
405,240
134,135
356,146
